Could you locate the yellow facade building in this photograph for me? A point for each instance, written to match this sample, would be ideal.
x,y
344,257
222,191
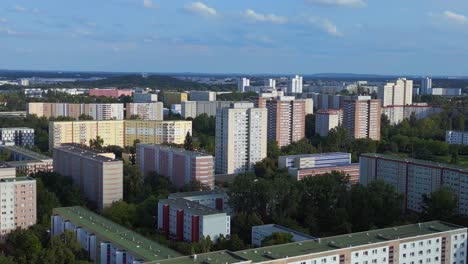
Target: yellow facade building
x,y
171,98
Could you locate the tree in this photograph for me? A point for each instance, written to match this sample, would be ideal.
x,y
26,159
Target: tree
x,y
24,246
85,117
273,150
242,223
188,143
277,238
310,126
132,181
96,143
441,204
122,213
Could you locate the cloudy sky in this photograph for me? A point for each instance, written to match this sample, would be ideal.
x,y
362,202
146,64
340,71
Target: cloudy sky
x,y
236,36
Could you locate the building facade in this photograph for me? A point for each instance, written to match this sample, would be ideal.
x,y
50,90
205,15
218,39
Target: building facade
x,y
145,111
145,98
397,113
216,199
286,119
202,96
241,138
170,98
195,108
327,119
190,221
426,85
26,161
19,136
456,137
362,117
295,85
115,93
106,242
118,132
99,175
179,165
415,178
397,93
96,111
309,165
18,201
242,83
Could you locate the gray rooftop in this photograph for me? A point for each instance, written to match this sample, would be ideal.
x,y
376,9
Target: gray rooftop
x,y
216,191
193,207
26,152
84,152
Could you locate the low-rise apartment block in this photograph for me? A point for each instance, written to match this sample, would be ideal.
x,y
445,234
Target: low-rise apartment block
x,y
145,98
431,242
118,132
202,96
19,136
18,201
115,93
105,241
456,137
190,221
99,175
101,111
307,165
145,111
26,161
179,165
216,199
170,98
195,108
397,113
414,178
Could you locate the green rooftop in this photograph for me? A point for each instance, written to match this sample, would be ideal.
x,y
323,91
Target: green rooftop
x,y
118,235
218,257
344,241
416,161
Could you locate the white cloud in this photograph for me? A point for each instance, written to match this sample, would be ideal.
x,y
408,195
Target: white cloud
x,y
268,18
200,8
8,31
326,26
149,4
19,8
3,20
340,3
454,17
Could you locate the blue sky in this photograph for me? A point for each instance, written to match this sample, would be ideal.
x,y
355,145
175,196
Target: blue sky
x,y
236,36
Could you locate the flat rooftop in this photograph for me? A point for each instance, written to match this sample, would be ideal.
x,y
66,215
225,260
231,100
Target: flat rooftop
x,y
16,179
316,155
16,128
197,193
26,152
84,152
273,228
217,257
118,235
193,207
417,161
178,150
345,241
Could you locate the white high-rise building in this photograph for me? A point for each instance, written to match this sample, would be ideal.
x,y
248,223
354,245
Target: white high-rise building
x,y
397,93
426,86
270,83
241,138
295,85
242,83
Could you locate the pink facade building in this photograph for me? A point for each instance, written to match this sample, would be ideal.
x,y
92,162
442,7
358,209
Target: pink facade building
x,y
116,93
179,165
18,203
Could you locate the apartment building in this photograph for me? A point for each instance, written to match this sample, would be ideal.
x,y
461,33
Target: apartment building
x,y
414,178
202,96
195,108
145,98
96,111
430,242
19,136
241,138
145,111
170,98
115,93
118,132
18,201
327,119
456,137
259,233
179,165
190,221
295,85
242,83
286,119
216,198
105,241
396,114
26,161
396,93
309,165
362,117
99,175
329,101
